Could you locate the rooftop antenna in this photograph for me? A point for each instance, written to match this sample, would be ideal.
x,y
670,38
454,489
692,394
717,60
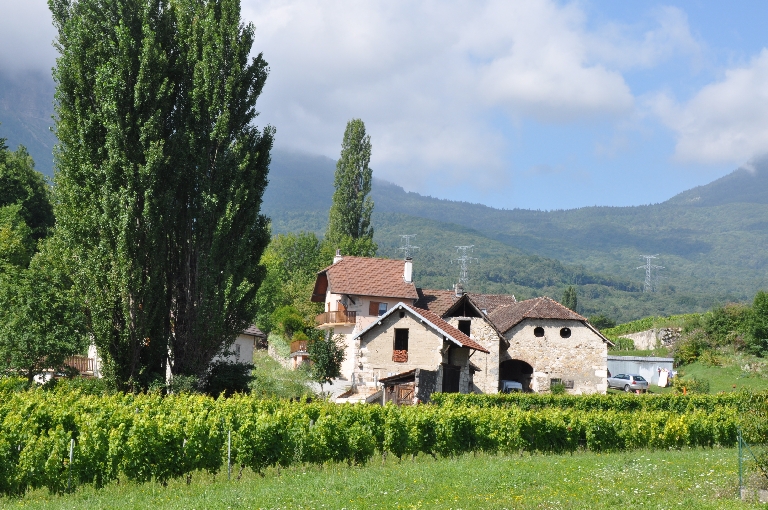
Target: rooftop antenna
x,y
649,267
464,260
408,248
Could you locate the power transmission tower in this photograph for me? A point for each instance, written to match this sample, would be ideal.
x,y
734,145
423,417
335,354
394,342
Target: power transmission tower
x,y
464,260
408,246
649,267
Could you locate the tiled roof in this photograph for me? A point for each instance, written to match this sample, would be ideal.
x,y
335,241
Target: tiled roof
x,y
506,317
440,301
254,331
363,276
437,301
442,327
448,329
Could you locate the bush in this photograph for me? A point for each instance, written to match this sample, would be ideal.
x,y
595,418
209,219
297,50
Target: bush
x,y
557,388
623,344
227,378
691,385
689,348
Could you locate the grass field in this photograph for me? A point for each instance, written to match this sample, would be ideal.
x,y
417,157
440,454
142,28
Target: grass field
x,y
697,479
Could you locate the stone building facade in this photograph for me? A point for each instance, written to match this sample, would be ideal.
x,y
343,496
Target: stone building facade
x,y
408,338
471,342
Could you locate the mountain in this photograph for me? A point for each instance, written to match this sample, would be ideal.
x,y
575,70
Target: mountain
x,y
26,111
712,240
713,249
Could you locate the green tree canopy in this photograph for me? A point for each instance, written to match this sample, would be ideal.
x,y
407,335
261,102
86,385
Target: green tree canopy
x,y
349,220
326,354
292,262
160,176
570,300
21,184
41,319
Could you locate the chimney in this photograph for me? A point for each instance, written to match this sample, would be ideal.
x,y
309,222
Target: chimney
x,y
459,288
338,256
408,270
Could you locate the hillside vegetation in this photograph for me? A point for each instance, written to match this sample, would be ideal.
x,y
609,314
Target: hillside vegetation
x,y
713,249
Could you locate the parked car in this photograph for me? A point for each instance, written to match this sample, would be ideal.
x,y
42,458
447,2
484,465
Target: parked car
x,y
511,386
628,382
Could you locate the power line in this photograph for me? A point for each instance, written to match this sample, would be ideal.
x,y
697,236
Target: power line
x,y
464,260
649,267
408,246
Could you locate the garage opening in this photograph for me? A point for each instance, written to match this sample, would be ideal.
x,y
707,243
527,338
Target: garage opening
x,y
516,370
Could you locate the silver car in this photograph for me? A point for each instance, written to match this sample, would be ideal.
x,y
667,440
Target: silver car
x,y
628,382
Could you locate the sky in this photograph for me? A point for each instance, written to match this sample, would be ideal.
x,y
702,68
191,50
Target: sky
x,y
536,104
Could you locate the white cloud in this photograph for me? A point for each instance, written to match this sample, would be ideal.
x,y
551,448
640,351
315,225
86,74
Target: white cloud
x,y
427,77
26,36
725,122
635,46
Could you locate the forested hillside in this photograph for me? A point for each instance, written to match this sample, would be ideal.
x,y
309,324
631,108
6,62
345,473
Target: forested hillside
x,y
712,240
712,250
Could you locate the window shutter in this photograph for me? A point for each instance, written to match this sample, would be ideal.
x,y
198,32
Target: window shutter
x,y
373,308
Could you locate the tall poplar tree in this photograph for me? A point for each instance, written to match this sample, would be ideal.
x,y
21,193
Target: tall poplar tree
x,y
159,177
349,220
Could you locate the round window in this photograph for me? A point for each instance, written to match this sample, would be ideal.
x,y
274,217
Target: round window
x,y
565,332
538,331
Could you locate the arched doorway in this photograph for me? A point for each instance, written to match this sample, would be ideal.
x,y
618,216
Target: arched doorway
x,y
516,370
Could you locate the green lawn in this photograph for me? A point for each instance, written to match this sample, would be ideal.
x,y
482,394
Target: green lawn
x,y
662,479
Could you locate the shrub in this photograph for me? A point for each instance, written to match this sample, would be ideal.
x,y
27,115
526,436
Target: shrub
x,y
557,388
227,378
623,344
691,385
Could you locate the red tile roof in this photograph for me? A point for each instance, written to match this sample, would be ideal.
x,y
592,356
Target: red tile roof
x,y
363,276
506,317
440,301
437,322
451,331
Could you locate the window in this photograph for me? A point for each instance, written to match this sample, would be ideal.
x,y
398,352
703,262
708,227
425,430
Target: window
x,y
538,331
401,339
464,327
565,332
400,351
237,352
377,308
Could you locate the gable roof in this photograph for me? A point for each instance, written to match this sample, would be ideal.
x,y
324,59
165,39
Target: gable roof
x,y
252,330
441,301
434,321
507,317
364,276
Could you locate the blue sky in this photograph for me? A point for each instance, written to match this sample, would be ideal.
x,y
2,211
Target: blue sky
x,y
538,104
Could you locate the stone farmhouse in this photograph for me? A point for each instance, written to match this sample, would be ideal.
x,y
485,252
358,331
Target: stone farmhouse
x,y
415,341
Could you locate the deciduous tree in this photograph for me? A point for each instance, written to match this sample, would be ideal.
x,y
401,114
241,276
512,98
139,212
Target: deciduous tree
x,y
160,176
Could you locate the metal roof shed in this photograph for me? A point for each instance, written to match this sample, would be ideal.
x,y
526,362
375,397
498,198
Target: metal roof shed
x,y
647,366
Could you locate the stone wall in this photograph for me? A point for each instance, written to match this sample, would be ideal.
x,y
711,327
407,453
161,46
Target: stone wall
x,y
375,349
581,358
653,338
487,380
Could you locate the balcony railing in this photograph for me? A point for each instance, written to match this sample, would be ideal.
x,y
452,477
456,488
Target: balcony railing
x,y
80,363
336,318
299,346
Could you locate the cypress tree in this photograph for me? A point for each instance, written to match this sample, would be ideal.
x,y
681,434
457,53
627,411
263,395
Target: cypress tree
x,y
349,220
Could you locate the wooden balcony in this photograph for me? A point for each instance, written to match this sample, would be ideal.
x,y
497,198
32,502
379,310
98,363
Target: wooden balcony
x,y
329,320
82,364
298,346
